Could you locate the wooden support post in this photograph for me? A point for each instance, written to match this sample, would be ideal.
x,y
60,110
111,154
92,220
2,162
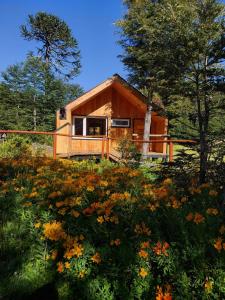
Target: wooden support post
x,y
170,151
103,147
54,145
107,149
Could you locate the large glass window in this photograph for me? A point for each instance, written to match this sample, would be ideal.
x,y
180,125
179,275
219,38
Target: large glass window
x,y
89,126
96,126
78,124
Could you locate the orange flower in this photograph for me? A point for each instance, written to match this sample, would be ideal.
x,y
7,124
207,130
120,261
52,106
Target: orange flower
x,y
213,193
160,248
143,253
60,268
75,213
117,242
145,245
198,218
218,244
143,273
96,258
189,217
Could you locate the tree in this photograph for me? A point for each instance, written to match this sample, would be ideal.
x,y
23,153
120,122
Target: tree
x,y
58,49
148,61
31,96
176,48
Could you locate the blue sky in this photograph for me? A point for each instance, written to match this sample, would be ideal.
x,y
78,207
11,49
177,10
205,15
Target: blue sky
x,y
91,21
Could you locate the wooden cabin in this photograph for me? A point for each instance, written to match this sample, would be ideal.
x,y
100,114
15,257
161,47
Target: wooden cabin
x,y
112,110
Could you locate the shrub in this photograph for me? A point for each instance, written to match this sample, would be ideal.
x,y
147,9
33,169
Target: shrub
x,y
109,233
14,147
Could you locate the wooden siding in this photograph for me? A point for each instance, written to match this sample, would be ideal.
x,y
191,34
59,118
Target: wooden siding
x,y
114,101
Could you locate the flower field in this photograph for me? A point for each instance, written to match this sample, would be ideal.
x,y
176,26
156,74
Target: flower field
x,y
107,232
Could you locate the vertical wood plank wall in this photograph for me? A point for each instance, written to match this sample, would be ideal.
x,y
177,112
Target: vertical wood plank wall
x,y
110,103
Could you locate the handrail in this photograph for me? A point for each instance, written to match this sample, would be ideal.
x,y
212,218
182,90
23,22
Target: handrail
x,y
102,138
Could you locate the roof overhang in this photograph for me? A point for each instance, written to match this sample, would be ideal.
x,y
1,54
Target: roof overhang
x,y
119,84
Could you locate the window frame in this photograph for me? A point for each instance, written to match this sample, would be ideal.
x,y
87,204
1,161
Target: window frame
x,y
121,126
85,136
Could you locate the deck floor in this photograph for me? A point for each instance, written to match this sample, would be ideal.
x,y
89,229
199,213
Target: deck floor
x,y
114,155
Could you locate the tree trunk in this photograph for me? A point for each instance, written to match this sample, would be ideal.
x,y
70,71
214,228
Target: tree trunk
x,y
147,126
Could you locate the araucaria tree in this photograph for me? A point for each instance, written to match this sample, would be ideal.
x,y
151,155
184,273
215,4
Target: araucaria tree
x,y
58,48
178,46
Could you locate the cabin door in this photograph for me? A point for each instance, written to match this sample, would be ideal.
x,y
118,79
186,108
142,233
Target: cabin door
x,y
138,132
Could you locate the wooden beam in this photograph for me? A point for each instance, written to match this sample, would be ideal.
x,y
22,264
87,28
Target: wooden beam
x,y
170,151
103,148
107,148
54,145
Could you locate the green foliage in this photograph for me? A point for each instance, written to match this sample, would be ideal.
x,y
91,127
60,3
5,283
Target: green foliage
x,y
59,49
14,147
176,49
133,239
130,155
30,96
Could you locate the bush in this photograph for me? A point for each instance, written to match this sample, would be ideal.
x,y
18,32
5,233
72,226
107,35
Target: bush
x,y
108,233
130,155
14,147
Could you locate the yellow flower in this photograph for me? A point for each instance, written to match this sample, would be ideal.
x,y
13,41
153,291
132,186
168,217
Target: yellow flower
x,y
208,286
212,211
90,188
67,265
143,273
81,274
54,231
143,253
167,181
37,225
96,258
100,219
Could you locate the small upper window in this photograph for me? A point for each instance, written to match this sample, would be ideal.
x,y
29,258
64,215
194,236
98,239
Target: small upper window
x,y
120,122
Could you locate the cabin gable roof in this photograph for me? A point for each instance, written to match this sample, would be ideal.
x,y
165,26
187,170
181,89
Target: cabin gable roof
x,y
119,84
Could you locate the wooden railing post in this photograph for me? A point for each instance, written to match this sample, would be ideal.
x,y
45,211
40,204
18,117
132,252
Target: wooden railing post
x,y
54,145
107,149
103,147
170,151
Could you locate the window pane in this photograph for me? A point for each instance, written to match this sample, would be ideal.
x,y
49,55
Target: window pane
x,y
78,126
96,126
121,122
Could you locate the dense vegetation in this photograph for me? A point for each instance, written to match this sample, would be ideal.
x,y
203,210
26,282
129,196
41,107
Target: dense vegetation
x,y
80,230
107,232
